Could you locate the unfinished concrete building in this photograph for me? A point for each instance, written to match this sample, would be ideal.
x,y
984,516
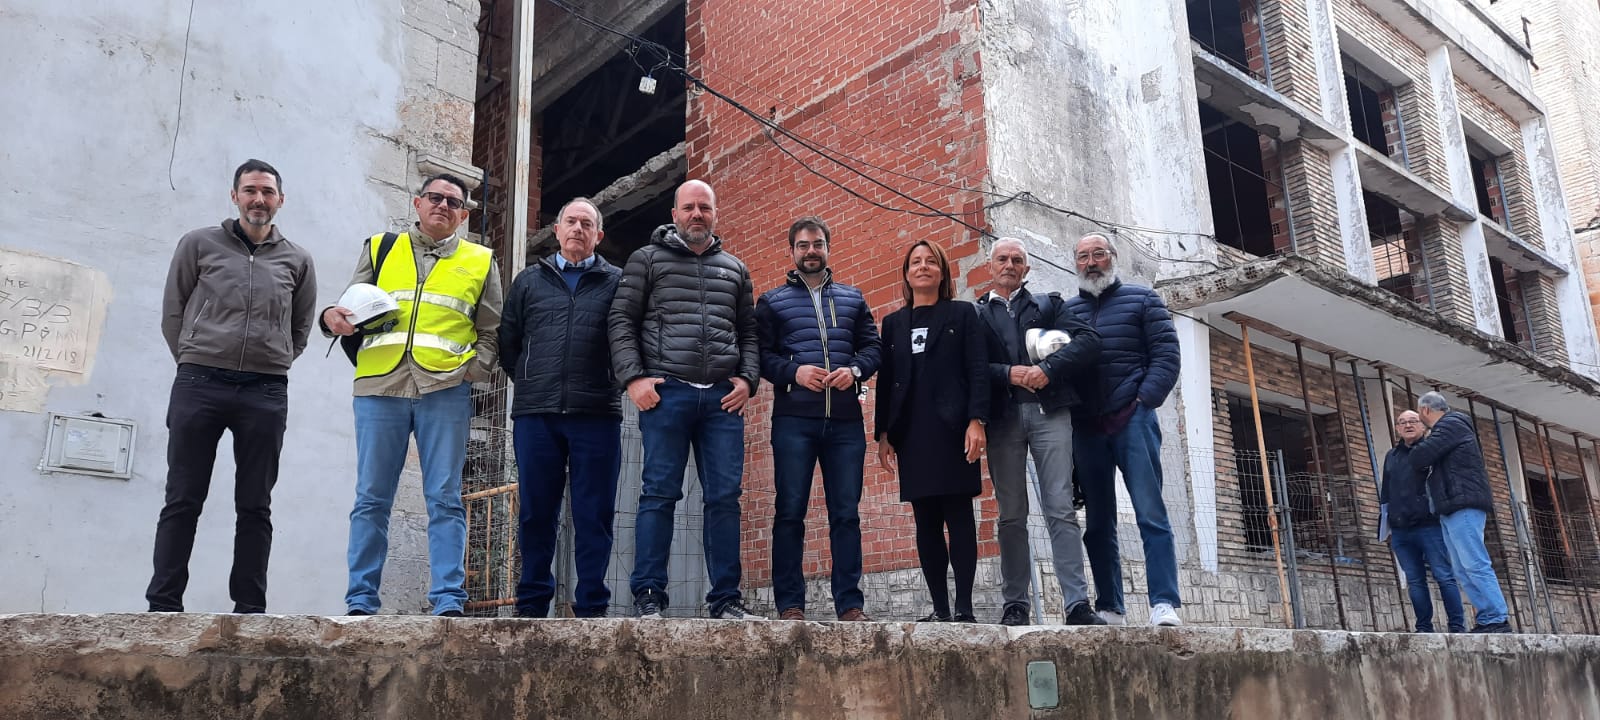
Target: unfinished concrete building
x,y
1363,189
1566,76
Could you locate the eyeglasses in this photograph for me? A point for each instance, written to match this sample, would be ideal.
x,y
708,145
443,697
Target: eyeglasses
x,y
809,246
1096,255
439,198
1408,422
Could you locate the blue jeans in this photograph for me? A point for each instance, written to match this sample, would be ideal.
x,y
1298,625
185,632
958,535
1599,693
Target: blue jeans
x,y
1137,451
690,417
1469,557
384,425
799,444
549,448
1420,549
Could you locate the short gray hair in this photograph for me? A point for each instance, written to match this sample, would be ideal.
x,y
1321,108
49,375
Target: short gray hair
x,y
1009,241
599,219
1110,246
1433,401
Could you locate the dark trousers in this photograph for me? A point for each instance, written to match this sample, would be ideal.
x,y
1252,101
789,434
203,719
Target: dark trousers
x,y
255,409
549,449
799,444
933,516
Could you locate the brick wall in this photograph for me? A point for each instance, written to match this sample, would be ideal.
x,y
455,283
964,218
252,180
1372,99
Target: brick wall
x,y
1288,36
894,83
491,145
1515,184
1414,99
1309,178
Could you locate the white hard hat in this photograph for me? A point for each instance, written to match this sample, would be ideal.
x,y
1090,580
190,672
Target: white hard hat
x,y
367,304
1041,343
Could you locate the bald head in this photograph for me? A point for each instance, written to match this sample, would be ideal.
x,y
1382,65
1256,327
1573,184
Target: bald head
x,y
1408,425
694,212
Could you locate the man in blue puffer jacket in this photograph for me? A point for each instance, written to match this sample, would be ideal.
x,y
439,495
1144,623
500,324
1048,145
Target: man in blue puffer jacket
x,y
1115,427
818,343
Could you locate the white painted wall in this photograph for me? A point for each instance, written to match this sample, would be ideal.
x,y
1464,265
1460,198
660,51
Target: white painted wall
x,y
318,89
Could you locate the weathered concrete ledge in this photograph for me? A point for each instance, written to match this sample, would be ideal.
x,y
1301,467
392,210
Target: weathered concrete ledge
x,y
226,666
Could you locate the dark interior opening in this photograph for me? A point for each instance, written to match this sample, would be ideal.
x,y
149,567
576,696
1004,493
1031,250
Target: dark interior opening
x,y
1236,175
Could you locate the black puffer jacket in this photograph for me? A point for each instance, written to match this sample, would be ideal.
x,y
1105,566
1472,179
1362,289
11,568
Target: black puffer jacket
x,y
1458,477
553,342
1064,367
682,315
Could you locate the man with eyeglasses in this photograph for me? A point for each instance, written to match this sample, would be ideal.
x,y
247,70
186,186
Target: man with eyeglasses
x,y
1414,530
1116,428
818,344
414,375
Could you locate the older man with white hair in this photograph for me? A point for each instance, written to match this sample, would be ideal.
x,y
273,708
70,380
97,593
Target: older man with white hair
x,y
1031,399
1116,427
1458,492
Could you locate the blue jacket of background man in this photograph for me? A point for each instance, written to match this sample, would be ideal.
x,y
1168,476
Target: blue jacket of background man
x,y
1458,477
1138,349
794,331
1405,490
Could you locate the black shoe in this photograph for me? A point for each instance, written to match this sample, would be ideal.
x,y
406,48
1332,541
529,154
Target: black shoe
x,y
451,613
965,617
1499,627
1014,615
589,613
734,610
649,605
935,617
1082,614
357,612
532,614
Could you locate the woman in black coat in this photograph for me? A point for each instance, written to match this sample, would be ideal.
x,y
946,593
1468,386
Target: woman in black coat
x,y
932,403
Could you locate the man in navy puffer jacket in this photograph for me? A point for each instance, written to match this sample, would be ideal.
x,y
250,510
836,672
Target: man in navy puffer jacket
x,y
1115,427
818,343
567,412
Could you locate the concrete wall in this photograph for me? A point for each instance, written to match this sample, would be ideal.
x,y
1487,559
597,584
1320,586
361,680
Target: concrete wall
x,y
341,98
421,668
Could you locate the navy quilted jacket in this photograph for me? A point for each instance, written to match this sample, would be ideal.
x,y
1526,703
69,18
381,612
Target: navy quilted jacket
x,y
1138,349
553,341
792,334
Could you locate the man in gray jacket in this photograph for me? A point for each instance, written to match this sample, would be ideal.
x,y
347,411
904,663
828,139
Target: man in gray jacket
x,y
236,312
683,342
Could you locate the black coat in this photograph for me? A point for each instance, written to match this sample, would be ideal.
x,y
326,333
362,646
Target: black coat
x,y
1405,490
955,368
1458,479
1065,367
553,342
684,315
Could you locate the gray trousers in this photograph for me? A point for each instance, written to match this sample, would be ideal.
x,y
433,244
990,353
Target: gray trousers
x,y
1049,437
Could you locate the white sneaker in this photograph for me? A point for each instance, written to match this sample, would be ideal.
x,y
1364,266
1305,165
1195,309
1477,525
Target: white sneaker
x,y
1113,617
1162,614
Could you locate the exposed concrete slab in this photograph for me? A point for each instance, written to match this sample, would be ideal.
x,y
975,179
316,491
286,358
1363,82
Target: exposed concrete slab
x,y
1327,306
1384,177
265,667
568,50
1250,101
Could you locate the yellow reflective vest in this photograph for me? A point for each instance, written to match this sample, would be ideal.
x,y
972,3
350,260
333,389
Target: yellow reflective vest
x,y
435,323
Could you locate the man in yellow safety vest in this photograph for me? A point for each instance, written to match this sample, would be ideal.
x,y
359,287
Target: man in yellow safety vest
x,y
414,374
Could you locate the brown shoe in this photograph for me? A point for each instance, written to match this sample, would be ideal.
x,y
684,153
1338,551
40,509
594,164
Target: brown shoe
x,y
854,615
793,613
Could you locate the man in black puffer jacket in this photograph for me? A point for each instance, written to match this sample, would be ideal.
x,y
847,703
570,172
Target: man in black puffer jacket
x,y
818,344
567,409
1458,492
1414,531
683,341
1115,428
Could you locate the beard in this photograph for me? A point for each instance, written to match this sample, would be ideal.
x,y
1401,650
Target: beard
x,y
694,237
259,217
1097,284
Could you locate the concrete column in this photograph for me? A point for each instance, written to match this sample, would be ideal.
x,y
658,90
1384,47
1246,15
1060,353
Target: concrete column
x,y
1194,406
1475,254
1572,293
1342,162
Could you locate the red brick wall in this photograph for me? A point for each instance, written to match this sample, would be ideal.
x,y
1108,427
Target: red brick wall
x,y
894,83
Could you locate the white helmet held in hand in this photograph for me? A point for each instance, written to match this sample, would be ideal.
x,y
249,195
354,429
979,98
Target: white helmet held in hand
x,y
368,304
1041,343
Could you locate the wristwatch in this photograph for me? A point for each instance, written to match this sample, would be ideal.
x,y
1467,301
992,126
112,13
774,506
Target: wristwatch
x,y
855,372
